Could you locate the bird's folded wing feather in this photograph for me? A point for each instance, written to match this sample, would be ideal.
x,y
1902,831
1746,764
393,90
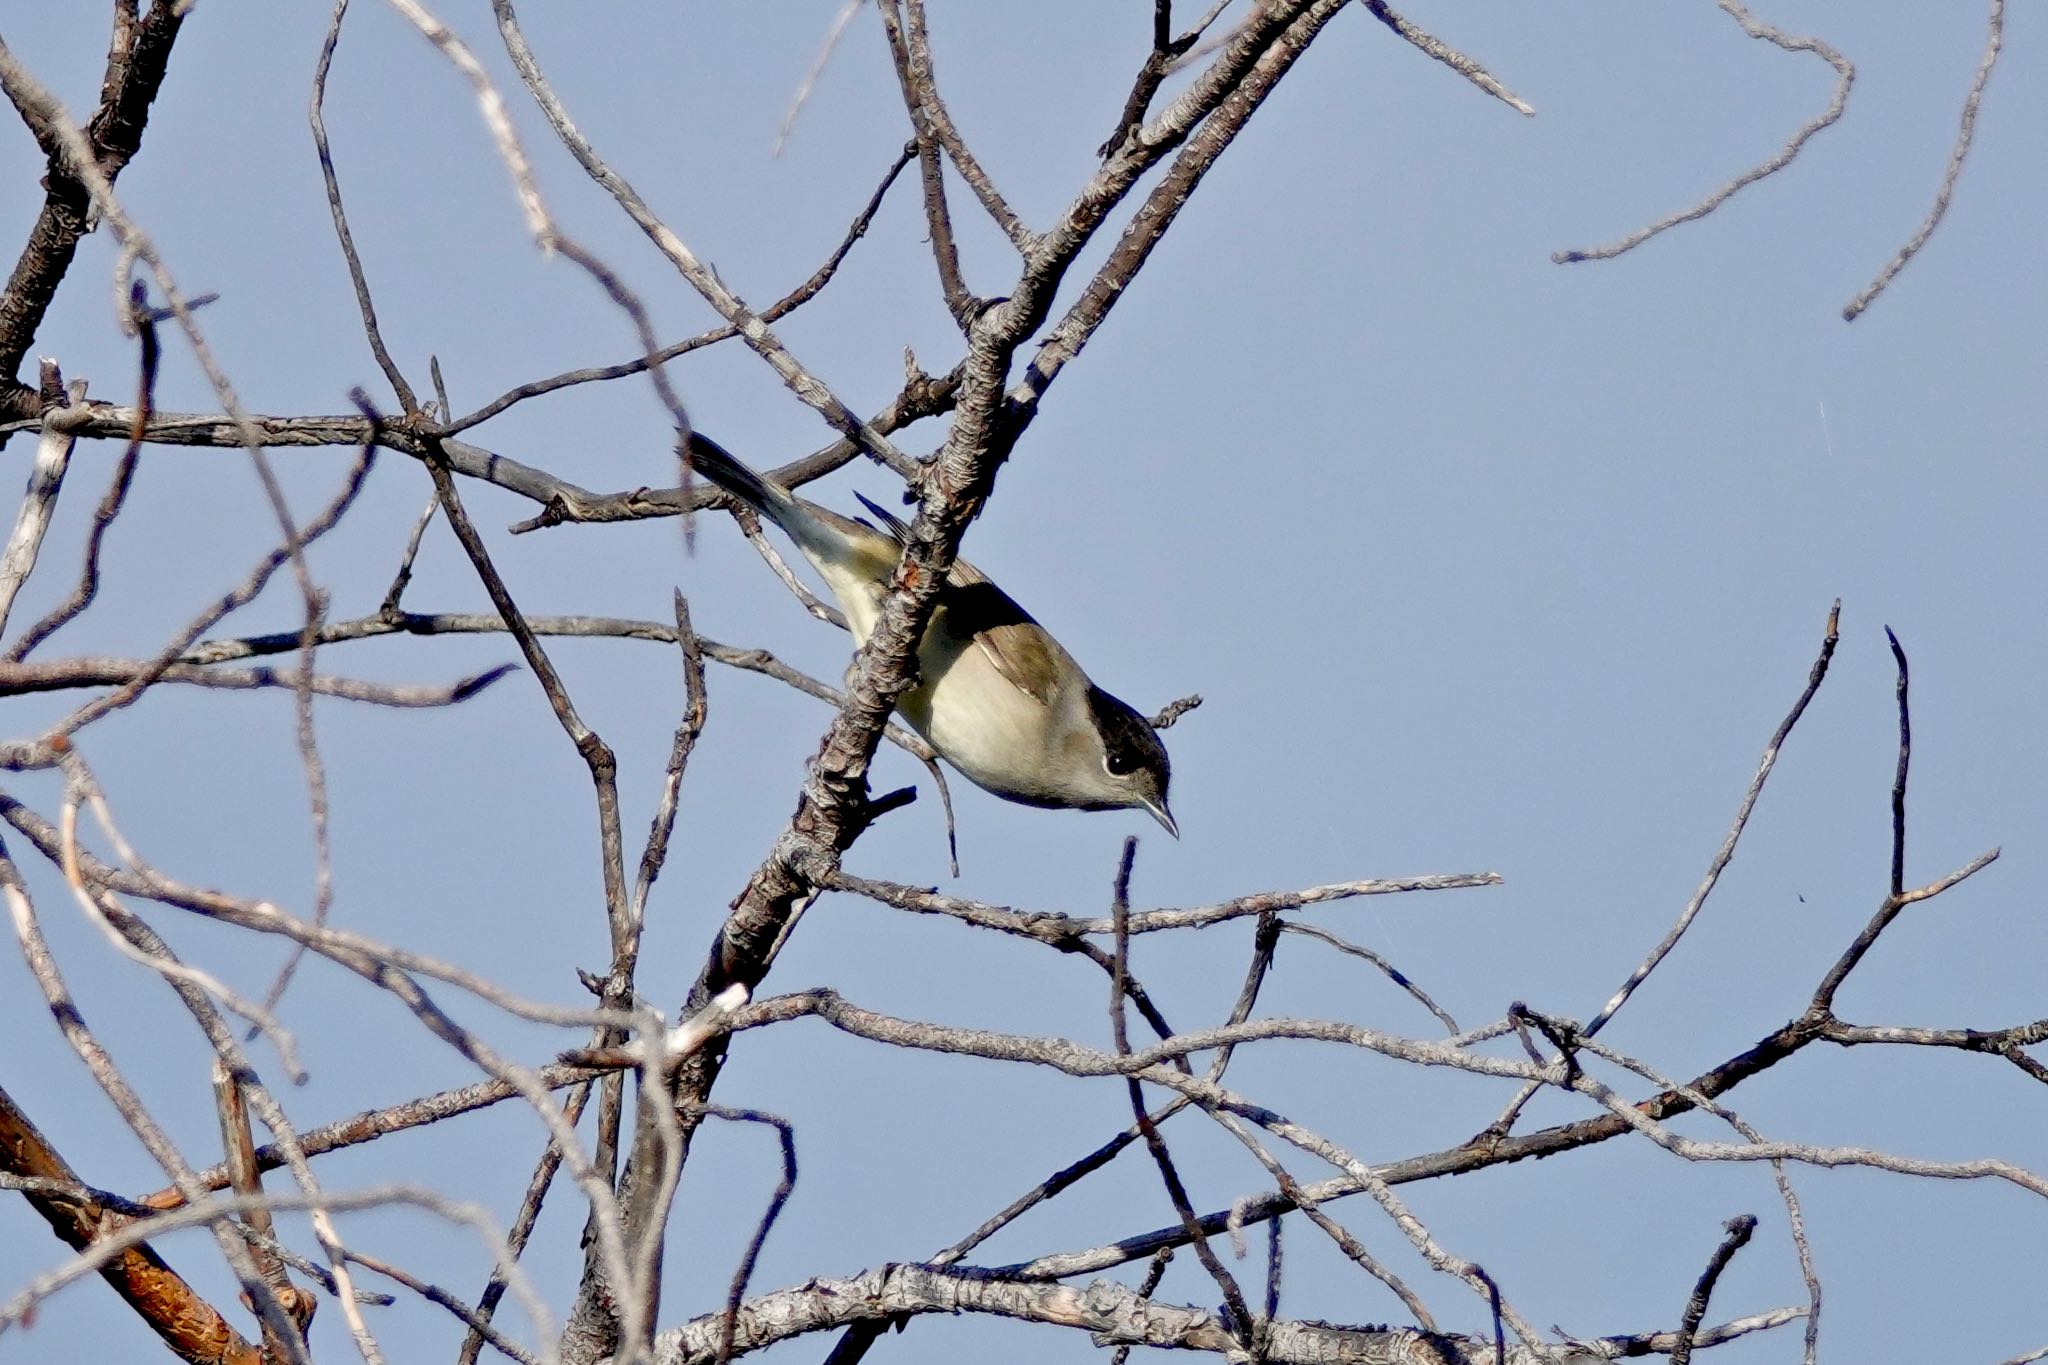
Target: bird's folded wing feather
x,y
1004,632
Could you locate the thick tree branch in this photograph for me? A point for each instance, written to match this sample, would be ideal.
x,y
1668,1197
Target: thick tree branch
x,y
193,1329
137,60
1116,1314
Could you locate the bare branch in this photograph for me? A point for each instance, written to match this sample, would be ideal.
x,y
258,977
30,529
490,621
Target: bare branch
x,y
1240,1318
833,34
1899,777
1739,1230
1119,1315
1814,677
435,1294
112,1243
1388,969
1824,996
1206,117
1166,49
193,1329
752,329
522,1225
317,114
750,526
960,300
1436,49
786,1135
116,496
1794,1217
781,308
928,113
688,728
1174,710
45,481
1052,926
60,674
137,61
562,501
403,578
215,1212
1719,863
1994,40
1155,1272
1845,76
234,599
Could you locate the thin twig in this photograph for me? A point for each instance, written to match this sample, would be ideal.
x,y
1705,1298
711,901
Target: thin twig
x,y
1899,897
1233,1297
1824,997
101,910
1155,1272
609,1240
774,312
1388,969
522,1222
435,1294
1053,927
688,728
1845,76
45,482
579,627
234,599
1166,49
1795,1218
317,114
752,329
1722,855
389,607
220,1210
1291,1189
1830,637
810,81
932,107
61,674
1994,40
785,1133
1904,766
750,527
1438,50
938,216
1739,1230
79,1215
121,1093
116,496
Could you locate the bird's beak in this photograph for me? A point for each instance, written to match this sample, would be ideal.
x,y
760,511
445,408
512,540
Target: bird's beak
x,y
1163,816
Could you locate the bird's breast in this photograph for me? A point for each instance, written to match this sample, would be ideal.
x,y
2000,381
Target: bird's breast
x,y
999,736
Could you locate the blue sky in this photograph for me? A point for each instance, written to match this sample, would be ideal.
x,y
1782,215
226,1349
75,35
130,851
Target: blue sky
x,y
1481,563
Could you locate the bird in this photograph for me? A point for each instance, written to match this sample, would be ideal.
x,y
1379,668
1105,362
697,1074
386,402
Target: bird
x,y
996,695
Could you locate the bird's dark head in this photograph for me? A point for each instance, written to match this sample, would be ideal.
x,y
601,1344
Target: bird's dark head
x,y
1133,757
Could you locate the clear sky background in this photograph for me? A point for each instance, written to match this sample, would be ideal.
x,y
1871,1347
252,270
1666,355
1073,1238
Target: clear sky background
x,y
1481,563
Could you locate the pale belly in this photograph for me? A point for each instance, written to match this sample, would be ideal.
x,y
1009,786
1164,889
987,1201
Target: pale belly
x,y
981,723
978,720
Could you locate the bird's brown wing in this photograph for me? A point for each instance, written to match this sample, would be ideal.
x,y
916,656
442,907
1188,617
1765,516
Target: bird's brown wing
x,y
1004,632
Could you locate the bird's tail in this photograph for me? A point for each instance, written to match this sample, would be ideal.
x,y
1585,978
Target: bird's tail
x,y
852,555
719,465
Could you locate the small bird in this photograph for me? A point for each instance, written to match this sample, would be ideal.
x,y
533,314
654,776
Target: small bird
x,y
996,695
